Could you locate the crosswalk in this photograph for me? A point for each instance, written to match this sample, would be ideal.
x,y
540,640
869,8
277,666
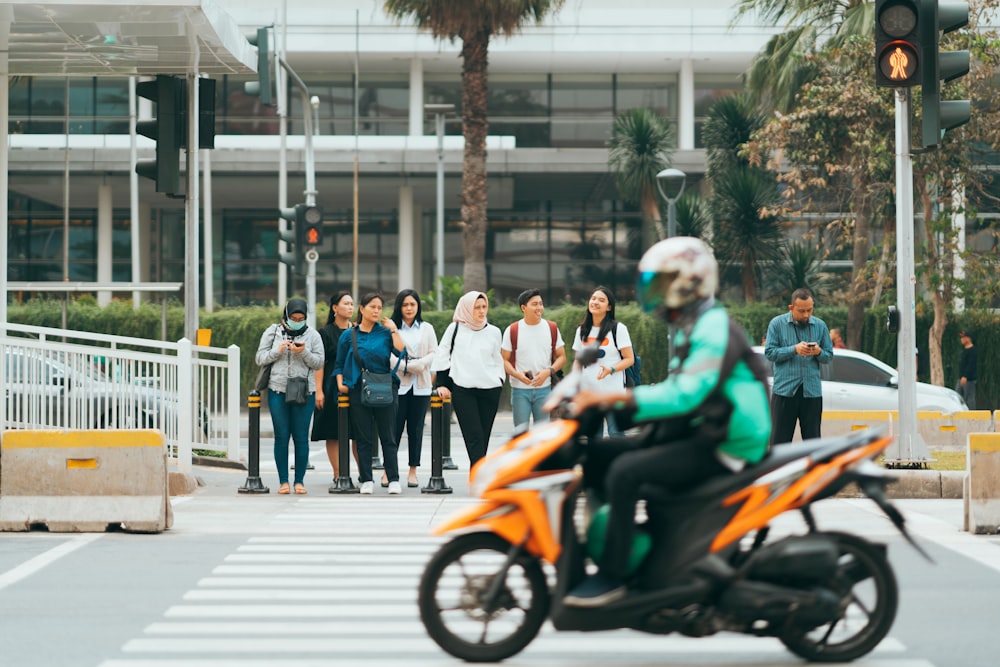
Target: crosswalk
x,y
334,581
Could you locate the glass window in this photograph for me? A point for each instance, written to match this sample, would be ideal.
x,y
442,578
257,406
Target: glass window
x,y
857,371
582,110
657,92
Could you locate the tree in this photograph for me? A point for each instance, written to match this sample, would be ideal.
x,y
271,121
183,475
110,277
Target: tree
x,y
641,144
473,22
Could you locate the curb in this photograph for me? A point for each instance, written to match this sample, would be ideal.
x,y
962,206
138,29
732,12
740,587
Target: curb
x,y
917,484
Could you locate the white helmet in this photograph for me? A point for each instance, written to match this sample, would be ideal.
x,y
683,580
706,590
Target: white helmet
x,y
677,272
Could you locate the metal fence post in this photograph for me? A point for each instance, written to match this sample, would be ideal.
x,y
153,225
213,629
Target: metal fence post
x,y
253,483
446,461
436,482
343,484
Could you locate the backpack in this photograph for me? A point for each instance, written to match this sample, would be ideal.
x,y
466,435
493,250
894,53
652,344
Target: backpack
x,y
633,374
513,347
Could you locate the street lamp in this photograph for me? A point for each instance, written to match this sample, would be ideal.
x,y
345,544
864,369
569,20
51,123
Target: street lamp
x,y
670,183
439,111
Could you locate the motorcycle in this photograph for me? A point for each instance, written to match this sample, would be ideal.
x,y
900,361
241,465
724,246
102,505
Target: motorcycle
x,y
701,561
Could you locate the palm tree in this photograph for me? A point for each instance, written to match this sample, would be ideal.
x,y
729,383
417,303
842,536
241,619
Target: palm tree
x,y
731,122
692,217
801,266
473,22
780,69
640,148
747,231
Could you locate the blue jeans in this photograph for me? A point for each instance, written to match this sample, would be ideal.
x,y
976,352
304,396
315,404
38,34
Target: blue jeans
x,y
527,403
290,421
613,429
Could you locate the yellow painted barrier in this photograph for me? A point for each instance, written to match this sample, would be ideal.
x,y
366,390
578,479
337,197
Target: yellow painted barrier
x,y
942,431
842,422
983,500
84,481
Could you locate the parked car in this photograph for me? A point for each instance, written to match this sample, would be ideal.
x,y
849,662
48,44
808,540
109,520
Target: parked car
x,y
859,381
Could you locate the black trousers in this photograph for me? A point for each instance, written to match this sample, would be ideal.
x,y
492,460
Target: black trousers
x,y
361,428
476,409
410,413
787,410
675,467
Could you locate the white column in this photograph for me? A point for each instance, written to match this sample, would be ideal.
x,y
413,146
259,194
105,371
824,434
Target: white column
x,y
407,235
418,249
416,97
685,106
104,229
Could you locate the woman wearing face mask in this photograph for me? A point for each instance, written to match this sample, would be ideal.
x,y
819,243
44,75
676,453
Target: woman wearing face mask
x,y
294,351
468,367
600,329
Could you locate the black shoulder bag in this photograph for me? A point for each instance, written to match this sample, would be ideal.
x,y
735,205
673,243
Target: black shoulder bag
x,y
377,389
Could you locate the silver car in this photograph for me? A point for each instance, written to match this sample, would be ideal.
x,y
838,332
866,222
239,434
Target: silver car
x,y
859,381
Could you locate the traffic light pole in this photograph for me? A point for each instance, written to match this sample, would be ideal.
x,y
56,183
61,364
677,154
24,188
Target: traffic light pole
x,y
909,448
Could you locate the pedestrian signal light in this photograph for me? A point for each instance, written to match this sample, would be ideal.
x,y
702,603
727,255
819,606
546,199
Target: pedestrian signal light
x,y
311,224
897,43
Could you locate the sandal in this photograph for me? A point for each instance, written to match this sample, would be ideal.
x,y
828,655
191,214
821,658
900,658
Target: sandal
x,y
300,489
284,489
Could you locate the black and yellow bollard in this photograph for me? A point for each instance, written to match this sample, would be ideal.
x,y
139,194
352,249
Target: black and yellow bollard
x,y
446,462
253,483
343,482
439,426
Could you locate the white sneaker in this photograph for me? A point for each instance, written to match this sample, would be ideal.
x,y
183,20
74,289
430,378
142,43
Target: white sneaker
x,y
395,489
368,488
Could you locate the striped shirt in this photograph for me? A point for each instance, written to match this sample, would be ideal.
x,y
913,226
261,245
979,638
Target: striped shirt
x,y
792,370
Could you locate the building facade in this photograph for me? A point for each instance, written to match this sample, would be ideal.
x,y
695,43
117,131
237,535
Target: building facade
x,y
555,218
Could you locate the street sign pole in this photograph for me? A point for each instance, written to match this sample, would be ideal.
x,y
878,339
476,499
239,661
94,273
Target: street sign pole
x,y
909,448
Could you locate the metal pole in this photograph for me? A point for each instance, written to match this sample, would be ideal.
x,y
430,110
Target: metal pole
x,y
436,483
908,446
439,282
671,218
343,484
253,483
446,461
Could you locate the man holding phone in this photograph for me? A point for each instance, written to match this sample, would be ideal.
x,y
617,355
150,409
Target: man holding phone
x,y
797,343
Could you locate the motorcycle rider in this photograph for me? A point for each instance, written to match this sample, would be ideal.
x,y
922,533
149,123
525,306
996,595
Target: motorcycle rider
x,y
714,401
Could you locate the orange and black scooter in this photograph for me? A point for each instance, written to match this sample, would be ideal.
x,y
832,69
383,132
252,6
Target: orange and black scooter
x,y
701,563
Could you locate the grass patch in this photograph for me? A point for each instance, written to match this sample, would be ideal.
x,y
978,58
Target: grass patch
x,y
947,459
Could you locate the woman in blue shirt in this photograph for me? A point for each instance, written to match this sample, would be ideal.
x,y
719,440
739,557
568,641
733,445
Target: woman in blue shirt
x,y
376,342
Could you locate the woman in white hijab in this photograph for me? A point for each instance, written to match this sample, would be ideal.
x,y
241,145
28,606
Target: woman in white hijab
x,y
468,368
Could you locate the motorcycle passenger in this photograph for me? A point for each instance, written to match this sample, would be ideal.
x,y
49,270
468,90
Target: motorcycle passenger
x,y
714,404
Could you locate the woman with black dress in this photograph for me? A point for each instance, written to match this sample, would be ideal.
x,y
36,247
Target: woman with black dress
x,y
326,425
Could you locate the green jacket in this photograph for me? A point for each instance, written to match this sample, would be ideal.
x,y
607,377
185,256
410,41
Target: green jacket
x,y
684,390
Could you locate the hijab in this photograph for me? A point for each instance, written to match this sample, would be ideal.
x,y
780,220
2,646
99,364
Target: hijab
x,y
464,310
295,306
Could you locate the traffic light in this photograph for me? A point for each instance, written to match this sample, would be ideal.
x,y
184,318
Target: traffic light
x,y
938,116
262,86
897,42
167,130
310,222
295,255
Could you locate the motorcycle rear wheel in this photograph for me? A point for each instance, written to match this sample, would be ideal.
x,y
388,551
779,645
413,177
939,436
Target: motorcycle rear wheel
x,y
867,585
455,611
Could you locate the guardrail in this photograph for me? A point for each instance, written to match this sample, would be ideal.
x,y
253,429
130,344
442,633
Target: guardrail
x,y
58,378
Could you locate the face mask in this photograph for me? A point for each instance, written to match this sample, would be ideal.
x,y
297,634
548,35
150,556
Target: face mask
x,y
296,326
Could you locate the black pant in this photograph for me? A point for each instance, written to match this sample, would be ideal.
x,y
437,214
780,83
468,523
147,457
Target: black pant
x,y
410,414
476,409
787,410
675,467
361,428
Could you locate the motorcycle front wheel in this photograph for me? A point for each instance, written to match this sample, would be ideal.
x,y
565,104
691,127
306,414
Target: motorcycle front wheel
x,y
865,582
477,609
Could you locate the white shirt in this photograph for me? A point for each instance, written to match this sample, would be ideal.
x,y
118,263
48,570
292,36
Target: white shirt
x,y
614,382
534,349
476,362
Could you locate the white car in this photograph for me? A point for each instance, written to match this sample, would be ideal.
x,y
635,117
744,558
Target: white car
x,y
858,381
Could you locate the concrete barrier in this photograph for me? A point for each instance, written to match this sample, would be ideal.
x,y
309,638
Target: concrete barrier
x,y
843,422
952,431
983,499
84,481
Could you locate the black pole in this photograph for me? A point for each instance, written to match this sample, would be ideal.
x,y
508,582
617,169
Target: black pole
x,y
343,482
253,483
446,461
436,483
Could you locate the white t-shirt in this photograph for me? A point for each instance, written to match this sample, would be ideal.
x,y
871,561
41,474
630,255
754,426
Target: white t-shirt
x,y
534,349
614,382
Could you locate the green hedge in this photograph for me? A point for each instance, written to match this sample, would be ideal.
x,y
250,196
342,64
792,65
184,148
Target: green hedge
x,y
244,326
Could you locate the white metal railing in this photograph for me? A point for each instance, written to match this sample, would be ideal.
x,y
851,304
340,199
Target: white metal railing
x,y
57,378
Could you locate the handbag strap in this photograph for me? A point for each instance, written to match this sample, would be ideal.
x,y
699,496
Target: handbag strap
x,y
357,357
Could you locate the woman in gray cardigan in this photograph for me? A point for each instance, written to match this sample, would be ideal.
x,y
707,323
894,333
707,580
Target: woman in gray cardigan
x,y
295,351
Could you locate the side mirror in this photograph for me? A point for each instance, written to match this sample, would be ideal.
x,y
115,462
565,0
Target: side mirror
x,y
894,382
